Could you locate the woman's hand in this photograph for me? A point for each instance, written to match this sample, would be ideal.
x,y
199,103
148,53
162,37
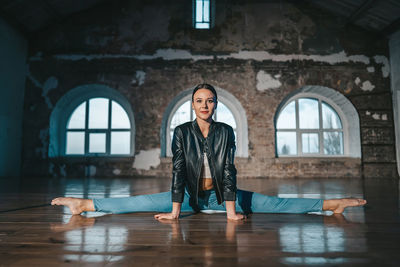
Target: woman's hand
x,y
174,215
235,217
166,216
231,212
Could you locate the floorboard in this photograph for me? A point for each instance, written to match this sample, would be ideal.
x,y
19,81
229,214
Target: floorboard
x,y
34,233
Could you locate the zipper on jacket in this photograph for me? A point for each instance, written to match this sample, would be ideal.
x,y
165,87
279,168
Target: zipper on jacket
x,y
198,178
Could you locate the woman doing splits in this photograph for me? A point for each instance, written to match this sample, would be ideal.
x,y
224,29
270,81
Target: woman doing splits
x,y
204,176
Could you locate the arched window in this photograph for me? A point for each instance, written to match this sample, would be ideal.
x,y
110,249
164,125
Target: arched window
x,y
309,126
317,121
229,111
106,130
92,120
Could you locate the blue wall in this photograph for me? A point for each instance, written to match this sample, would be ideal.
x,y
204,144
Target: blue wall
x,y
13,53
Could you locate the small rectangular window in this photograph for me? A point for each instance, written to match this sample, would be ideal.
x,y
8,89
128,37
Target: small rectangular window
x,y
202,14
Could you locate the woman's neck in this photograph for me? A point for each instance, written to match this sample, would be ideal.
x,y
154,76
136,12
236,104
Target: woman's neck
x,y
204,126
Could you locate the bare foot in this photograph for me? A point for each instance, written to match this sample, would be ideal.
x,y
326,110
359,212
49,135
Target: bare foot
x,y
76,221
76,205
338,205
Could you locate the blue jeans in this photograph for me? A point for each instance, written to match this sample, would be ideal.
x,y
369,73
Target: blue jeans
x,y
246,202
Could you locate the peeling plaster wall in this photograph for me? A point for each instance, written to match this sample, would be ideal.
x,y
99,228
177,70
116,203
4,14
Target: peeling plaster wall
x,y
13,54
258,52
147,159
265,81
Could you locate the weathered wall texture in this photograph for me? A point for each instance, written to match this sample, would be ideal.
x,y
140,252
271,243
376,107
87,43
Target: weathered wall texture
x,y
257,52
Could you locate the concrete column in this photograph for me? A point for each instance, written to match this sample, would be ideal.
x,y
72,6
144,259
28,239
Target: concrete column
x,y
13,53
394,47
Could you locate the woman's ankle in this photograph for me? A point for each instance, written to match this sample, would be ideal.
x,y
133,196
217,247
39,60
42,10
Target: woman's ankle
x,y
329,204
88,205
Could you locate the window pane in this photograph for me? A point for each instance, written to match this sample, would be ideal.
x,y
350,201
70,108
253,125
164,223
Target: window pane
x,y
308,113
120,142
77,119
119,117
182,115
98,113
310,142
206,11
287,117
75,143
97,143
225,115
202,25
330,119
286,143
171,134
333,143
199,10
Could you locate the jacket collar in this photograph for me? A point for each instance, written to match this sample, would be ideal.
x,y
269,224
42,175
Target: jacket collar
x,y
198,131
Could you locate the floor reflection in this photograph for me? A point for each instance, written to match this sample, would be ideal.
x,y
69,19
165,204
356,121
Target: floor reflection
x,y
322,261
364,236
319,189
212,240
102,239
327,235
92,241
95,188
72,222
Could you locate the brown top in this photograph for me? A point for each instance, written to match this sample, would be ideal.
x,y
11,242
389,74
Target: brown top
x,y
205,177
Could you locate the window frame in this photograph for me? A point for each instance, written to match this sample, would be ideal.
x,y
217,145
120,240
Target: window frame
x,y
211,15
87,131
67,105
320,130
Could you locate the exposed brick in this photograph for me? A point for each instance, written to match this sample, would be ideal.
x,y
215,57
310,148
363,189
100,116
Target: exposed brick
x,y
380,170
297,34
377,136
379,153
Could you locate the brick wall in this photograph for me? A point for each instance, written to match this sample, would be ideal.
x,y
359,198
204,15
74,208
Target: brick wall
x,y
296,43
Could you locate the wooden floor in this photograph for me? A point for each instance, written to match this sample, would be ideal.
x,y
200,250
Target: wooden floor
x,y
34,233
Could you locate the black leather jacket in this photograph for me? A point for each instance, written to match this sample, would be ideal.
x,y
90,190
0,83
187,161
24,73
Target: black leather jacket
x,y
188,147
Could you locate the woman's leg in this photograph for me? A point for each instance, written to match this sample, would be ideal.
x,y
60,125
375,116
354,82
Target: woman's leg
x,y
160,202
249,202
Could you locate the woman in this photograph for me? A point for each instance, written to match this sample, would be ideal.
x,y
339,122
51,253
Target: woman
x,y
204,176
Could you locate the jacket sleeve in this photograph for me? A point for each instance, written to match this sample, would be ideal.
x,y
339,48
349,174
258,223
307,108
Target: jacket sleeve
x,y
229,180
178,168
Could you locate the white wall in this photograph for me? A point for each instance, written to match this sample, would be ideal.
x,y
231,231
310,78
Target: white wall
x,y
13,52
394,46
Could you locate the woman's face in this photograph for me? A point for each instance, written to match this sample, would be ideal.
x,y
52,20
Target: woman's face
x,y
204,104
